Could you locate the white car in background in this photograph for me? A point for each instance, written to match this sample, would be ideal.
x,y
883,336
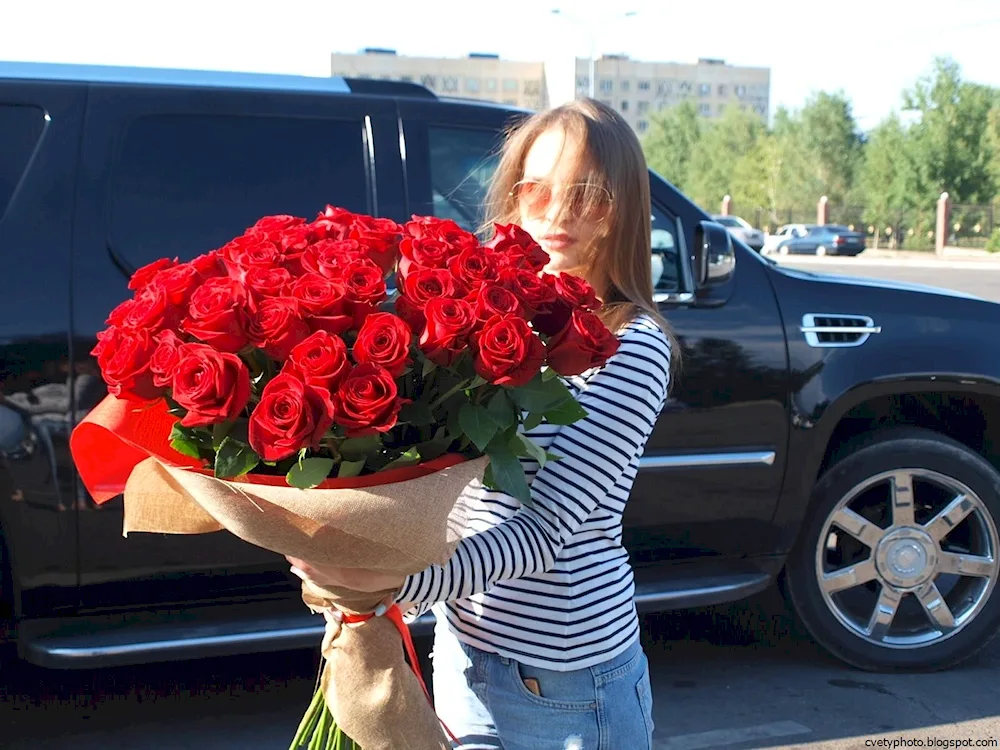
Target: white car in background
x,y
741,229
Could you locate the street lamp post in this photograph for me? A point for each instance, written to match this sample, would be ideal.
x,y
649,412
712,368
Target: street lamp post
x,y
592,37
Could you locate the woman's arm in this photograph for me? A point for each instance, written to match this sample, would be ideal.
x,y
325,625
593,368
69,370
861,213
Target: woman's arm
x,y
623,401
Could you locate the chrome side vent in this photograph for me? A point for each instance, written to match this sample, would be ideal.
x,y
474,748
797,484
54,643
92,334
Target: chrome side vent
x,y
835,330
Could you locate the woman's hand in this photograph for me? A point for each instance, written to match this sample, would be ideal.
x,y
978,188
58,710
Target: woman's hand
x,y
356,579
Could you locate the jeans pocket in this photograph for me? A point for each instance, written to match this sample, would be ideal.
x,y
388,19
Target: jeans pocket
x,y
567,691
644,692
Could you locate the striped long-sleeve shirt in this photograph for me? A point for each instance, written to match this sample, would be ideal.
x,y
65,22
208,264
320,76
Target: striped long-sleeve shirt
x,y
550,584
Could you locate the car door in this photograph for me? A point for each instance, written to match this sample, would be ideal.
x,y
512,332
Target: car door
x,y
712,469
175,173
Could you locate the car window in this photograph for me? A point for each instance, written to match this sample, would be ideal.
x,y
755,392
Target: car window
x,y
20,129
666,258
187,184
462,165
462,162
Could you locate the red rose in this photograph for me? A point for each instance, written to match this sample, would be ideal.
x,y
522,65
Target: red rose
x,y
144,275
472,267
291,415
273,226
213,386
123,356
584,343
384,340
330,258
365,286
572,293
507,352
320,360
277,327
334,223
533,292
379,238
450,323
150,309
423,253
324,303
419,288
217,315
268,282
164,361
367,402
209,266
250,250
445,231
179,282
492,300
517,248
293,243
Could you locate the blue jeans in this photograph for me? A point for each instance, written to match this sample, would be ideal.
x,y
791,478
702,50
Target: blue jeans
x,y
483,699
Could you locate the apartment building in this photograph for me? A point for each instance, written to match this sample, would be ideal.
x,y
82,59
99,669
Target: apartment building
x,y
478,76
638,88
635,88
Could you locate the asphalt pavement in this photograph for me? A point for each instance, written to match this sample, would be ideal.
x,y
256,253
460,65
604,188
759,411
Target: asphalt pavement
x,y
733,677
978,277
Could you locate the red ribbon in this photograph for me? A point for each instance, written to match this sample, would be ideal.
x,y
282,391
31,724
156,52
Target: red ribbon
x,y
395,615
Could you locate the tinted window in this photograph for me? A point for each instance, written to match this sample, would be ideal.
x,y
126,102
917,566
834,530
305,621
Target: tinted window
x,y
20,129
187,184
666,258
462,165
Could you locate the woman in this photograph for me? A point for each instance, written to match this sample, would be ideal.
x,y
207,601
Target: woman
x,y
537,637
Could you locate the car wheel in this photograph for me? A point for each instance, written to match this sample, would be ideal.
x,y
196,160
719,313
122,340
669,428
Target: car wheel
x,y
897,561
821,250
783,250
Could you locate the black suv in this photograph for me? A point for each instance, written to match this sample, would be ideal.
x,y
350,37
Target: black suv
x,y
839,436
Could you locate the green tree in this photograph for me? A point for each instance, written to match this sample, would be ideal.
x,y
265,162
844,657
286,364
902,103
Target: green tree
x,y
830,136
887,174
671,139
992,143
949,140
725,161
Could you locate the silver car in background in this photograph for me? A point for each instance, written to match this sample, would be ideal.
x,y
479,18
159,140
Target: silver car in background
x,y
742,230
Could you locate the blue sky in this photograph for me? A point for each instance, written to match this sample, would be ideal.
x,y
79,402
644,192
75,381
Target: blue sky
x,y
870,49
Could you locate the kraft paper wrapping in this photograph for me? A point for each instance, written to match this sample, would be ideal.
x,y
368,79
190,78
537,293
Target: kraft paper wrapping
x,y
400,527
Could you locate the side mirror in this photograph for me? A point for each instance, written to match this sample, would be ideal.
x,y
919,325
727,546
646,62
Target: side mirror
x,y
713,259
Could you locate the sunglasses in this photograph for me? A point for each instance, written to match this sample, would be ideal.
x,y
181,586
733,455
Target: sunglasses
x,y
581,199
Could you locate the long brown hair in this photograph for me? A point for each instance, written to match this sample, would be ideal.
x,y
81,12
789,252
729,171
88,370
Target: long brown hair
x,y
618,261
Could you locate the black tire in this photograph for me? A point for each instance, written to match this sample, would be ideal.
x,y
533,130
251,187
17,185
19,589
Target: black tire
x,y
888,450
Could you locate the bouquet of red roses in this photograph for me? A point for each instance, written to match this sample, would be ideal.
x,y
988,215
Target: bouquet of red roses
x,y
282,362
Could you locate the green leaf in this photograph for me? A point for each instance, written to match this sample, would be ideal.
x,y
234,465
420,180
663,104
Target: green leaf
x,y
219,433
508,474
548,373
434,448
541,395
309,472
567,412
477,381
409,458
417,414
350,469
429,367
552,456
183,442
357,449
523,446
501,411
234,459
533,420
477,424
